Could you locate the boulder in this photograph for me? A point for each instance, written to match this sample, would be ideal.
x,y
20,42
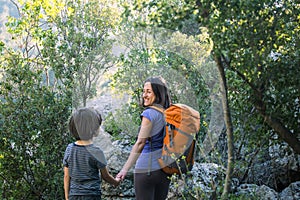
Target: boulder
x,y
252,191
292,192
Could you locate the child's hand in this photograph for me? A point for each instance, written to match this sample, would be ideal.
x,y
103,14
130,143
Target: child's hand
x,y
118,181
121,175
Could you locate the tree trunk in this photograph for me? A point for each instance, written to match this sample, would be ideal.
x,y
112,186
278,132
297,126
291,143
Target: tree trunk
x,y
284,133
229,128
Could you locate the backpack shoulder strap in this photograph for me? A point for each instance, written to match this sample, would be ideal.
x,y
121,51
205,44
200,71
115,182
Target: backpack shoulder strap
x,y
160,109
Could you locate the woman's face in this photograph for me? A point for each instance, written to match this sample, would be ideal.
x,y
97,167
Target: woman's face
x,y
148,94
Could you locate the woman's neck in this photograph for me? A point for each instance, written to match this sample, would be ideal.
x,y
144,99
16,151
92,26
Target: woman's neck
x,y
157,105
84,142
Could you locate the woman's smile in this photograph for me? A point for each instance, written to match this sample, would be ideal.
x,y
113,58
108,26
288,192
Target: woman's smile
x,y
148,94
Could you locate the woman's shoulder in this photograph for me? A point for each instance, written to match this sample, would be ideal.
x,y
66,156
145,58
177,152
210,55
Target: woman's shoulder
x,y
152,113
151,109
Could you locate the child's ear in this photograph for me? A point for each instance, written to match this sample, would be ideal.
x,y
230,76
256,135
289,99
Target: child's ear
x,y
99,117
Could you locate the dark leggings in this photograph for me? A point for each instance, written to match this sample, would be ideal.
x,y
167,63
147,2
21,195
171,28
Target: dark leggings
x,y
85,197
151,187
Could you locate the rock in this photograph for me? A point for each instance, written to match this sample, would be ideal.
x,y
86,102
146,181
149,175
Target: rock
x,y
285,165
116,157
204,179
107,102
115,153
253,191
292,192
276,169
124,191
264,192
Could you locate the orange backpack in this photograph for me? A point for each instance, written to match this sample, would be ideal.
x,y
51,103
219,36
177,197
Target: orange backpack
x,y
182,126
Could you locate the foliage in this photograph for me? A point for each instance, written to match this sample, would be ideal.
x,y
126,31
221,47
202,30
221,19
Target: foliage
x,y
111,125
82,45
36,99
33,133
124,120
58,49
258,42
32,136
156,52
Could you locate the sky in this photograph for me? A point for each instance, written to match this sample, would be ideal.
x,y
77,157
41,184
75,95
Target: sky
x,y
7,8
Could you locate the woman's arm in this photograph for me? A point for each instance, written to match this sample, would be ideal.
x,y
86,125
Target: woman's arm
x,y
66,182
108,177
137,148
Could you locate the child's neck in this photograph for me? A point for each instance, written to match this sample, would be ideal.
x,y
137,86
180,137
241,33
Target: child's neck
x,y
84,142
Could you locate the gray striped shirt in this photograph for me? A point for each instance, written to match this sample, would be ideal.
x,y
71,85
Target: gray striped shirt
x,y
84,163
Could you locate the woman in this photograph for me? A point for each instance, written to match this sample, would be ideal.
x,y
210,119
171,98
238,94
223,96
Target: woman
x,y
150,182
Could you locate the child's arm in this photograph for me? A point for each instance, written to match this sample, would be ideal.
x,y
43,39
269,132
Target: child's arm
x,y
66,182
108,177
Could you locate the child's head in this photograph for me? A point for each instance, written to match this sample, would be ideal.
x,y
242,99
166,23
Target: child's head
x,y
84,123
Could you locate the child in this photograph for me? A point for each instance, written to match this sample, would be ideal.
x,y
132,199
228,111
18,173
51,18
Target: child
x,y
82,160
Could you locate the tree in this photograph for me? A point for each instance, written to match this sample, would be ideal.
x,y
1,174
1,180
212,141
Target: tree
x,y
252,58
58,48
229,128
83,44
33,114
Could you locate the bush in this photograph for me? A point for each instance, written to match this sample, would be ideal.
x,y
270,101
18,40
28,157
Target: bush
x,y
33,136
